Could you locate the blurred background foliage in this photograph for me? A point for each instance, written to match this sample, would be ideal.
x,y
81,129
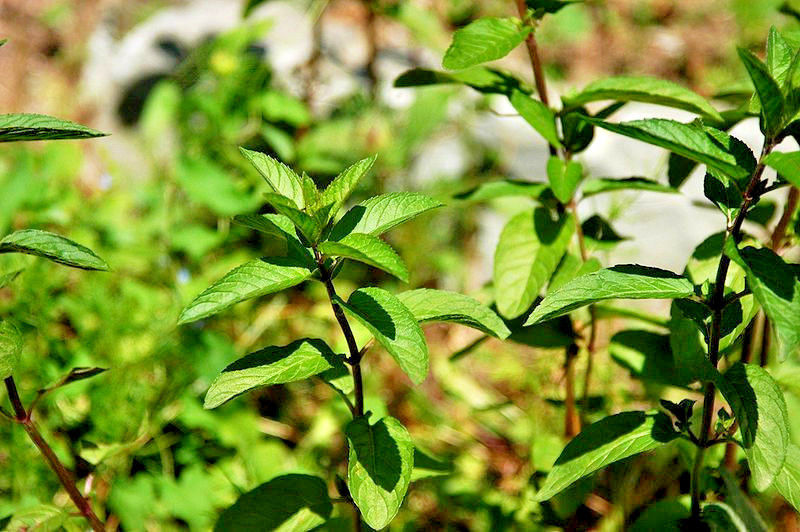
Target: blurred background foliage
x,y
156,199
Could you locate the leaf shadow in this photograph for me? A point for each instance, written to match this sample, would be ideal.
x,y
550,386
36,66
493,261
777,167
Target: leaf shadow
x,y
373,313
547,229
377,452
272,354
348,222
770,269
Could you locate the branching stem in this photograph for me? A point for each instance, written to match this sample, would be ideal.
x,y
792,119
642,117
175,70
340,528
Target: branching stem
x,y
23,417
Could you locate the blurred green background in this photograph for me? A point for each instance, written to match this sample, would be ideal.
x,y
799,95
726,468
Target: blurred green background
x,y
179,91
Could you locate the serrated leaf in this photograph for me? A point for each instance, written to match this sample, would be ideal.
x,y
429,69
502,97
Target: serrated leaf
x,y
309,225
564,177
776,286
289,503
779,56
41,518
602,185
380,213
281,227
485,39
643,89
343,185
369,250
626,281
393,326
299,360
428,305
280,177
380,463
768,91
760,409
538,115
502,189
252,279
786,164
52,247
10,348
28,126
605,442
692,141
787,482
484,80
530,247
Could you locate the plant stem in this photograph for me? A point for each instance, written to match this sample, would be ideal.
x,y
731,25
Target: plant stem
x,y
372,48
779,233
23,417
572,423
536,63
717,303
355,355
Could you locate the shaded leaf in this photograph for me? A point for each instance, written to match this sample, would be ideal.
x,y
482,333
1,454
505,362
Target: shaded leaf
x,y
692,141
605,442
27,126
768,91
538,115
741,504
603,185
428,305
52,247
426,466
501,189
299,360
393,326
281,227
647,355
759,407
482,79
626,281
530,247
786,164
252,279
369,250
485,39
380,464
776,286
289,503
643,89
310,226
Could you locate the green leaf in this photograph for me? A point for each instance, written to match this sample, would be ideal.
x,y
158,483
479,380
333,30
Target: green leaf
x,y
787,482
719,517
10,348
281,227
8,278
692,141
722,192
626,281
530,247
485,39
289,503
776,286
14,127
563,177
786,164
310,226
52,247
379,468
502,189
74,375
605,442
779,56
599,234
602,185
426,466
643,89
369,250
252,279
272,365
768,91
43,518
393,326
758,404
741,504
343,185
538,115
380,213
647,355
542,7
482,79
428,305
279,176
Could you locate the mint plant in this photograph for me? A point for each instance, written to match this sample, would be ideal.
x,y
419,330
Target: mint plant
x,y
546,250
317,244
61,250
